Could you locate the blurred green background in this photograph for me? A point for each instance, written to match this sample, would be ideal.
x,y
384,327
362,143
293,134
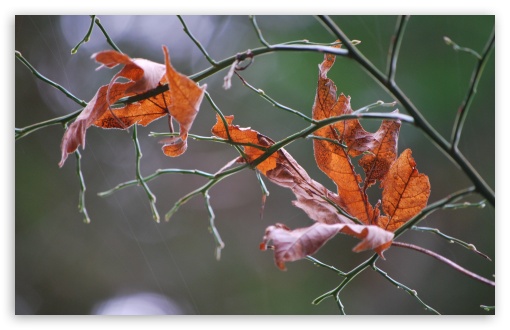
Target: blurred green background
x,y
125,263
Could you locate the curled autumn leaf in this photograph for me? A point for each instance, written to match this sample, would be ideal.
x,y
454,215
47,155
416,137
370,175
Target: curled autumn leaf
x,y
181,102
291,245
405,191
312,197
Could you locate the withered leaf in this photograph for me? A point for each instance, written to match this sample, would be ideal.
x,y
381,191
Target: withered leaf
x,y
291,245
185,99
405,192
281,169
181,101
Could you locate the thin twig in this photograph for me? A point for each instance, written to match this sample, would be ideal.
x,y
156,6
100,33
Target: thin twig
x,y
395,46
410,291
22,132
217,238
48,81
107,36
273,102
464,108
451,239
86,38
81,201
153,176
199,45
139,177
259,33
446,261
321,264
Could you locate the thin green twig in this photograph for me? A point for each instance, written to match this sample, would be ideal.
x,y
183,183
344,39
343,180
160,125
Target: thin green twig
x,y
464,108
153,176
217,178
199,45
273,102
81,201
22,132
86,38
396,41
458,48
107,36
217,238
259,33
399,285
321,264
48,81
451,239
139,177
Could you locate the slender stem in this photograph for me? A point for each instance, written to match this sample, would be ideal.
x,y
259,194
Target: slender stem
x,y
399,285
420,121
265,50
273,102
139,177
81,201
456,48
451,239
446,261
348,277
321,264
107,36
395,46
213,139
86,38
199,45
217,238
153,176
22,132
217,178
464,108
48,81
259,33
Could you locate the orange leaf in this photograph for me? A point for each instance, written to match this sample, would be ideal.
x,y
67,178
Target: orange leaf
x,y
333,159
281,169
382,152
291,245
405,194
185,99
181,102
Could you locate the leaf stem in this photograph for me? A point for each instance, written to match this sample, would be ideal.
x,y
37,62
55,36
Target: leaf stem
x,y
446,261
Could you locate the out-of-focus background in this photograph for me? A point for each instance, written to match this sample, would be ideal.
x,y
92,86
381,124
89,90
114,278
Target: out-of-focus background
x,y
125,263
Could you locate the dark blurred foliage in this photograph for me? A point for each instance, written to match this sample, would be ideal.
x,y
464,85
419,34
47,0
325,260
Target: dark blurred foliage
x,y
124,262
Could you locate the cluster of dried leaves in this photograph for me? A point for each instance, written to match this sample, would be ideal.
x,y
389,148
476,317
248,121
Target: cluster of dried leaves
x,y
404,190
